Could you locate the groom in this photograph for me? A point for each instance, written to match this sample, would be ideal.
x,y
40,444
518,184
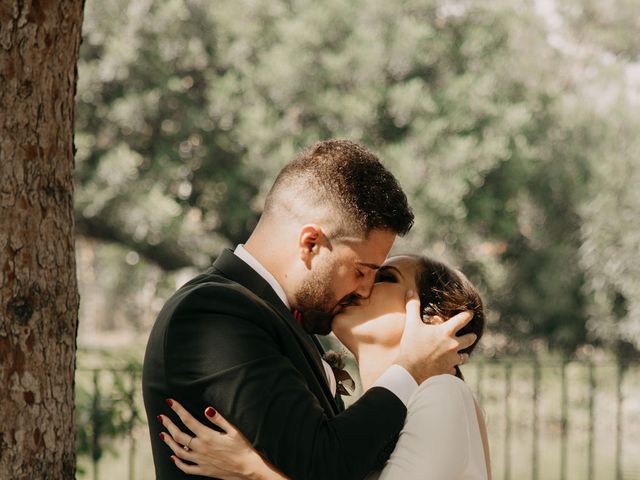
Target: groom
x,y
229,338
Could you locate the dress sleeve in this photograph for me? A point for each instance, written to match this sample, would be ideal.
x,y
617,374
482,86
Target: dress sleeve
x,y
435,441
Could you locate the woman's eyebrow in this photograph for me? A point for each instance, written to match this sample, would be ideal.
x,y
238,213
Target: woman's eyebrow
x,y
391,267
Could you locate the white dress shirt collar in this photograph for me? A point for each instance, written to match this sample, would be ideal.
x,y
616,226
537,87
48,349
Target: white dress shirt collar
x,y
250,260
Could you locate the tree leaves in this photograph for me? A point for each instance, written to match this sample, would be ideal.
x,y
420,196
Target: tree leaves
x,y
187,111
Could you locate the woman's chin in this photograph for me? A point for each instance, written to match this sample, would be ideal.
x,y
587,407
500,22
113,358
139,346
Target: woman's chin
x,y
341,326
337,324
343,314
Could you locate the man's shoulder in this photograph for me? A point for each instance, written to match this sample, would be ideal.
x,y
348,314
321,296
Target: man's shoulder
x,y
209,304
213,292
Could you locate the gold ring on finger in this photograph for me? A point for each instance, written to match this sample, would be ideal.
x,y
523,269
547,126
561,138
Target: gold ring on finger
x,y
186,447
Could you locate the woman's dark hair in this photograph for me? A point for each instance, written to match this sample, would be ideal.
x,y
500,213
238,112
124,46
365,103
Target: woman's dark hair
x,y
445,292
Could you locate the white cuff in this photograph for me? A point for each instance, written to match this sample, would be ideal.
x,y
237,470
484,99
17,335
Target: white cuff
x,y
398,381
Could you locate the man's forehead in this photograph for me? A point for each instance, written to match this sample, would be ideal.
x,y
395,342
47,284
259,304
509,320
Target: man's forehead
x,y
372,257
373,249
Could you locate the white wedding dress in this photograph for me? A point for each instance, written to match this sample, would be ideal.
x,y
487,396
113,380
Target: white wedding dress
x,y
441,437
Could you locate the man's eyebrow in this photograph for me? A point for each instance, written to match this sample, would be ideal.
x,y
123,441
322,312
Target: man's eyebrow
x,y
372,266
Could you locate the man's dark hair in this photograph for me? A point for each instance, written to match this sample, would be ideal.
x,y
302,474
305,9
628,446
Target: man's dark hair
x,y
350,180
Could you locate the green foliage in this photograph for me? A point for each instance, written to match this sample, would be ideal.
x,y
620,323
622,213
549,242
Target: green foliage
x,y
609,252
611,24
188,109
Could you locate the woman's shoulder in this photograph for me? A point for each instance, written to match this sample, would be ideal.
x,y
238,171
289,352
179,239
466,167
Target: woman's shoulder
x,y
442,420
449,388
445,382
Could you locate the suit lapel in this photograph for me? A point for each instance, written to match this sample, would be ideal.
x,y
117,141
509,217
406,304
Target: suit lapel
x,y
233,268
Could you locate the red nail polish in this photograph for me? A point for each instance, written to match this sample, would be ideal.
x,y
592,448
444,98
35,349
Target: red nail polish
x,y
169,402
173,459
162,436
210,412
159,418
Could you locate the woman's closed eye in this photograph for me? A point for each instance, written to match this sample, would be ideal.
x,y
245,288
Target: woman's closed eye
x,y
386,276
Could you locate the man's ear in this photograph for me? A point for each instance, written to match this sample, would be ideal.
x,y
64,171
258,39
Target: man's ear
x,y
310,239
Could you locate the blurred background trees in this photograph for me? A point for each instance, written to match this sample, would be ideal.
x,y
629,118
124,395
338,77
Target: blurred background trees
x,y
512,127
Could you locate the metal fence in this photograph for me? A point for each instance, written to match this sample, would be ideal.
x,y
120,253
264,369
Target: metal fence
x,y
546,420
564,420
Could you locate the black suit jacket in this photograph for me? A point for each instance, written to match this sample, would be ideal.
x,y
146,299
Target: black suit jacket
x,y
225,339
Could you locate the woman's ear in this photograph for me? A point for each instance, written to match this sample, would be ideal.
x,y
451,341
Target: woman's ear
x,y
310,239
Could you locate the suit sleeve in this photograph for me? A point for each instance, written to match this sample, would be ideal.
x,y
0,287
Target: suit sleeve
x,y
216,351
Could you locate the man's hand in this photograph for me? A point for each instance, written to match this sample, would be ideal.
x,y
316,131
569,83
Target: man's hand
x,y
428,350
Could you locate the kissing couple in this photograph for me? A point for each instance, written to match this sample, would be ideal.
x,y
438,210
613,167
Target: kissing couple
x,y
234,381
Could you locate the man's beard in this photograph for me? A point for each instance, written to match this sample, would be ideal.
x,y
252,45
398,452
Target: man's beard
x,y
315,300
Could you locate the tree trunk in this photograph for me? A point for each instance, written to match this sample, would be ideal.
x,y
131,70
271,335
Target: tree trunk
x,y
39,41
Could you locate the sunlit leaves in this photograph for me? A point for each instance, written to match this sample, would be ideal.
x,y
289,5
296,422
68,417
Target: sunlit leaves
x,y
187,109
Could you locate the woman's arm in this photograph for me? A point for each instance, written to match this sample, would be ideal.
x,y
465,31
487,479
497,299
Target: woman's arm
x,y
227,455
440,439
485,438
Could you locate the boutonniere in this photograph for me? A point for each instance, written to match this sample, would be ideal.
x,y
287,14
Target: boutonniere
x,y
345,385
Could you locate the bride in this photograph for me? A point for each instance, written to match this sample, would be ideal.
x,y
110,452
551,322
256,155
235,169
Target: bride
x,y
444,435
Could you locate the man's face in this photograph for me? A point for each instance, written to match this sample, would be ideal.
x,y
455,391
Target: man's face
x,y
339,276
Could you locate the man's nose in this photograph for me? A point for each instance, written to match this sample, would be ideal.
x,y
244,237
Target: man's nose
x,y
365,288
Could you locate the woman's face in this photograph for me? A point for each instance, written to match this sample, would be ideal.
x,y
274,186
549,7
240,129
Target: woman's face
x,y
380,319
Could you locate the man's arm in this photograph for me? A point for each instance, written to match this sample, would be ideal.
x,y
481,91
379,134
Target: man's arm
x,y
236,365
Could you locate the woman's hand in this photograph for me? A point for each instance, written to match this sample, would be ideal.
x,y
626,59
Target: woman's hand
x,y
227,455
429,350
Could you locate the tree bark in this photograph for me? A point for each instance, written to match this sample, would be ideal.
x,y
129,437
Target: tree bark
x,y
39,41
